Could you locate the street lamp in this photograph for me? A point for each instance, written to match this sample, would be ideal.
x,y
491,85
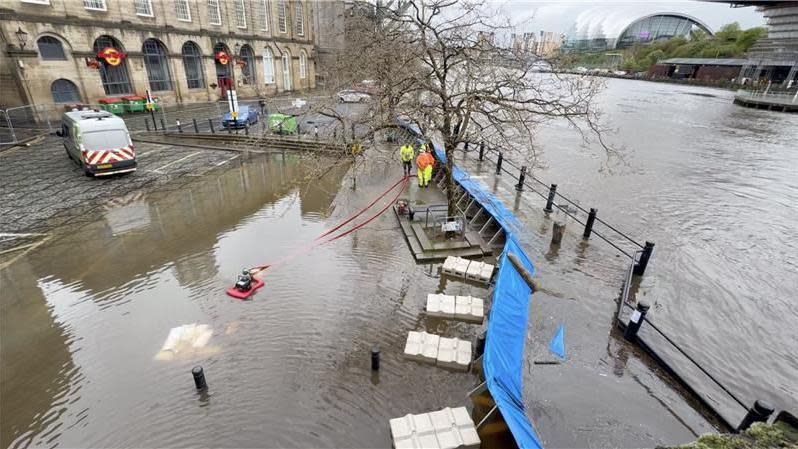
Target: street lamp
x,y
22,36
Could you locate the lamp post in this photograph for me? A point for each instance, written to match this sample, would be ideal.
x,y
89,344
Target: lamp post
x,y
22,37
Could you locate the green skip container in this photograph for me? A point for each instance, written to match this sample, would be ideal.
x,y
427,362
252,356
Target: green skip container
x,y
112,105
134,103
288,123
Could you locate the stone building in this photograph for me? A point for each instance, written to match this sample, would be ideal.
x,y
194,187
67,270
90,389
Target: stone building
x,y
79,51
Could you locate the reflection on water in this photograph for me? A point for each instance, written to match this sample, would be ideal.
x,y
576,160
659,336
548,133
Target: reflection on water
x,y
84,315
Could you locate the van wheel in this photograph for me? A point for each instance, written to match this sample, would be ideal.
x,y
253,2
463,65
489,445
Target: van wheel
x,y
86,171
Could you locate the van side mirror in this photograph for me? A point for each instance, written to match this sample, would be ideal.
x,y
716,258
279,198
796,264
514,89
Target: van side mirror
x,y
59,133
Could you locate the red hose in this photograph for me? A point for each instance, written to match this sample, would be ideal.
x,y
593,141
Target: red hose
x,y
317,242
330,231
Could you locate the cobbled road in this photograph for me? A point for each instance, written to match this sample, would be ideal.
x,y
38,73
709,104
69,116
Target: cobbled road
x,y
42,189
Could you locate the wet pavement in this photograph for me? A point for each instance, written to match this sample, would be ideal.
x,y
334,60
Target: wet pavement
x,y
42,188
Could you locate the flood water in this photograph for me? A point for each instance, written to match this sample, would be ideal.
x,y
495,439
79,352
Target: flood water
x,y
84,316
715,186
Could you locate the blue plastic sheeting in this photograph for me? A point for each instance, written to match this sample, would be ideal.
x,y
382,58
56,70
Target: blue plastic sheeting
x,y
503,360
557,343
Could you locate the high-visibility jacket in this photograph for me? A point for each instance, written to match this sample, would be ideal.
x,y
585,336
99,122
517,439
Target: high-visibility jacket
x,y
423,148
424,160
406,152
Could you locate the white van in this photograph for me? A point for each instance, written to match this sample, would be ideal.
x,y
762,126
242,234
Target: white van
x,y
98,141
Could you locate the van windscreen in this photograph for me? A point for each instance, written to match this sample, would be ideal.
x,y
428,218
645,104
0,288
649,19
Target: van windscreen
x,y
108,139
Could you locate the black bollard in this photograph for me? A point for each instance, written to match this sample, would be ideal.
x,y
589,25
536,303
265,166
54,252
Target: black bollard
x,y
640,266
298,129
521,177
550,200
246,129
210,123
196,129
465,148
482,151
479,347
591,218
280,128
375,358
147,124
163,125
230,129
199,378
759,412
499,163
353,131
635,321
179,128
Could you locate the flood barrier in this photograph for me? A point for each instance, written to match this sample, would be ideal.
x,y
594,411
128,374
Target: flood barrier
x,y
503,359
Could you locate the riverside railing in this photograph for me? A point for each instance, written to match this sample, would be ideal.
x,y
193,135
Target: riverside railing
x,y
552,194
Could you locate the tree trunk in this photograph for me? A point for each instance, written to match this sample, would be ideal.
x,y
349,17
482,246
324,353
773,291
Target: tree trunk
x,y
448,181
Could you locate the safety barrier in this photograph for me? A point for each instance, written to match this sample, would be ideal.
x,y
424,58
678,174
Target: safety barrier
x,y
503,357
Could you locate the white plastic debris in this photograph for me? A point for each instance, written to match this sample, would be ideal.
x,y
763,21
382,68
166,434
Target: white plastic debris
x,y
454,353
469,309
186,341
450,428
440,306
422,346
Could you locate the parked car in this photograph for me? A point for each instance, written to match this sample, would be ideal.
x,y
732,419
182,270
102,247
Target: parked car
x,y
353,96
98,141
246,116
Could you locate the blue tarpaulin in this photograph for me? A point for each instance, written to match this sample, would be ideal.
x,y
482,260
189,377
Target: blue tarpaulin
x,y
503,360
557,343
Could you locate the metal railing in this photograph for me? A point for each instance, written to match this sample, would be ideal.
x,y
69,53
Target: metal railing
x,y
780,97
551,195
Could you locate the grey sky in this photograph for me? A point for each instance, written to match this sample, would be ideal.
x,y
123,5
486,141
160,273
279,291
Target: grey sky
x,y
560,16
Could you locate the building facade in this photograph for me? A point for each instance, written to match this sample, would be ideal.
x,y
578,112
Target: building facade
x,y
183,51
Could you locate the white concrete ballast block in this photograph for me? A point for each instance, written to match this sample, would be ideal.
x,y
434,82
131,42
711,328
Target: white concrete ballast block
x,y
454,353
469,309
448,428
441,306
472,270
422,346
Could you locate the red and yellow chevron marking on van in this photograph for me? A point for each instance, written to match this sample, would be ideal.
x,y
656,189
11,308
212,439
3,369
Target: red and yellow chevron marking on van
x,y
94,157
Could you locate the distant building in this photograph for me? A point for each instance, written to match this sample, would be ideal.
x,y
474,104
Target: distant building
x,y
615,28
548,43
79,51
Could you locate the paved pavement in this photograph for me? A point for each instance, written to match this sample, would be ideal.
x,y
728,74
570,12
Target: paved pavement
x,y
41,188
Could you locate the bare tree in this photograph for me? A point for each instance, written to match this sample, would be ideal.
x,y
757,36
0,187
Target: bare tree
x,y
438,63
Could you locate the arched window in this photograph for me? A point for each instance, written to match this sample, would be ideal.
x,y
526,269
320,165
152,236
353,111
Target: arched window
x,y
192,63
286,70
157,65
114,77
268,66
248,70
303,65
50,48
64,91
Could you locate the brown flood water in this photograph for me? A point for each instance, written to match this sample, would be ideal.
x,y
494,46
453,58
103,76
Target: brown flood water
x,y
84,315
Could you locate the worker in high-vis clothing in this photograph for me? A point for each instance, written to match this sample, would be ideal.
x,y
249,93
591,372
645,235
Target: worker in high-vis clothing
x,y
424,164
406,153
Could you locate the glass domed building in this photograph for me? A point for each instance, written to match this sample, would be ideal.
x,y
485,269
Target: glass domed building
x,y
608,28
